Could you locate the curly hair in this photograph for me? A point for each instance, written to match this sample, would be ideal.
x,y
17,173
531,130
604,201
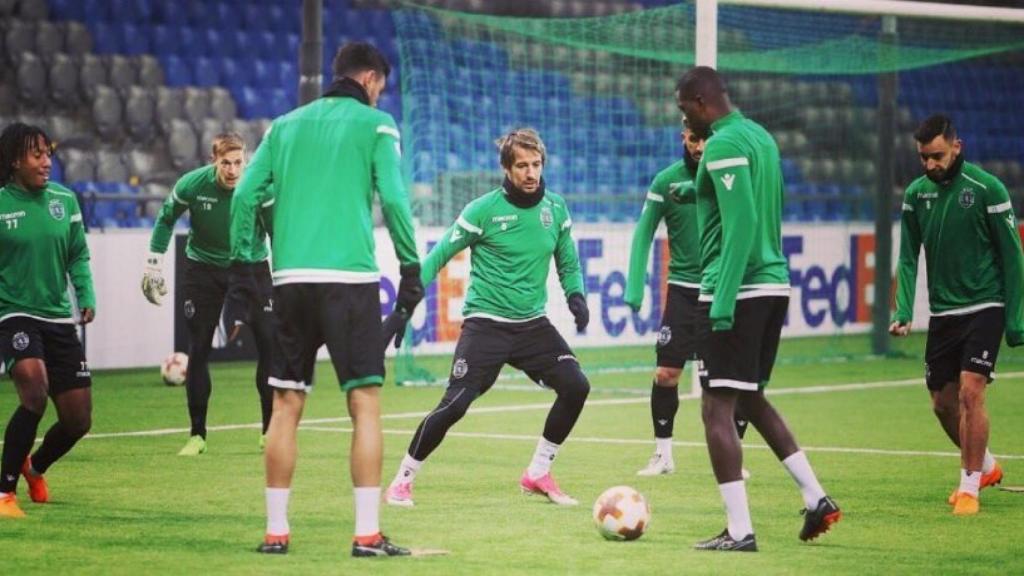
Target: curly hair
x,y
17,140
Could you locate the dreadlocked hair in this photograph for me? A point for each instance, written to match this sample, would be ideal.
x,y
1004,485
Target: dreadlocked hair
x,y
17,140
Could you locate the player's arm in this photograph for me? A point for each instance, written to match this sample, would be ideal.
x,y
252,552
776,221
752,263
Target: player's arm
x,y
570,275
643,235
394,200
266,216
906,267
462,234
176,203
253,191
729,171
78,266
1003,225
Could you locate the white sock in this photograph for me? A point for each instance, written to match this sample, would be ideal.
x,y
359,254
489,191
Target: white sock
x,y
407,470
734,494
663,446
989,463
800,469
970,482
543,456
277,511
367,510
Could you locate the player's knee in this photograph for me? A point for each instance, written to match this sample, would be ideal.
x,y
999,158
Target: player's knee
x,y
667,377
34,400
78,425
569,381
972,390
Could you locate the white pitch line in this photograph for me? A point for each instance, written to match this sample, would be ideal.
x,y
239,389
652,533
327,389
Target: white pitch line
x,y
647,441
824,389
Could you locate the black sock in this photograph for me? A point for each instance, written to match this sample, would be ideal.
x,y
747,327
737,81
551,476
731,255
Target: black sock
x,y
741,427
18,440
57,442
197,388
664,405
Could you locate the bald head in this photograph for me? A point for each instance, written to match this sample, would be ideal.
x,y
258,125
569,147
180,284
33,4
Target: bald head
x,y
702,81
701,95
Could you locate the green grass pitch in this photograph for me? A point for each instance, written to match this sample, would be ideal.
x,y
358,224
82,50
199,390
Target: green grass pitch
x,y
124,503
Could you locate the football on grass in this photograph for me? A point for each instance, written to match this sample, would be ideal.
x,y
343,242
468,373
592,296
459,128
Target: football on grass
x,y
621,513
174,369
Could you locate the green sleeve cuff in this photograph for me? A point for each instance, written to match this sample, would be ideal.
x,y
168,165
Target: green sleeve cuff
x,y
721,324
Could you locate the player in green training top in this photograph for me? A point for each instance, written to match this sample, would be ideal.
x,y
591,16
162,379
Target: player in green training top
x,y
671,198
206,194
963,217
325,160
513,233
42,246
744,295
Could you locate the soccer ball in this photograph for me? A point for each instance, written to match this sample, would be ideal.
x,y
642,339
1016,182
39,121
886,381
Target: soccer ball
x,y
621,513
174,369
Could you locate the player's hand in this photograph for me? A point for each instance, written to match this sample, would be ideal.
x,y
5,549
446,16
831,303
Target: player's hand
x,y
1014,338
88,315
236,311
153,287
410,289
899,329
580,312
394,327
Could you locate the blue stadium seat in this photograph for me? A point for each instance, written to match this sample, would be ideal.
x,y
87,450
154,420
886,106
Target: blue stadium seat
x,y
176,72
135,39
106,37
232,74
169,13
278,102
206,72
193,42
164,39
265,45
67,10
262,74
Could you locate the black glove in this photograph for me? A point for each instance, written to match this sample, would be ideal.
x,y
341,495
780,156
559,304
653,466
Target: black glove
x,y
394,327
242,295
410,289
580,312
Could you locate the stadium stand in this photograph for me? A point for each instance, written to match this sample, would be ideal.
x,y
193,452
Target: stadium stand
x,y
159,79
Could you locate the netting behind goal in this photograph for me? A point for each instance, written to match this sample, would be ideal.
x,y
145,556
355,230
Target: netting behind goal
x,y
600,91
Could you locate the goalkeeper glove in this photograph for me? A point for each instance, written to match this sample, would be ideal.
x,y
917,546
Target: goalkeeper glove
x,y
580,312
153,287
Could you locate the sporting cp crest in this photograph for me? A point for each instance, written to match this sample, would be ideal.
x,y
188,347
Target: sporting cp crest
x,y
189,309
57,209
664,336
20,341
966,198
460,368
546,217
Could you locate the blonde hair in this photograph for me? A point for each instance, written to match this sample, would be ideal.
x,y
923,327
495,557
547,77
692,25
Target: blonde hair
x,y
526,138
227,142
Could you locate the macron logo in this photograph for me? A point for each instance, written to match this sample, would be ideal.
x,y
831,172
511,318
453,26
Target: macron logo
x,y
456,234
728,179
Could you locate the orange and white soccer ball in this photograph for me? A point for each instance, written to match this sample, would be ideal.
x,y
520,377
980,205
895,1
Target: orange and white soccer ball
x,y
174,369
621,513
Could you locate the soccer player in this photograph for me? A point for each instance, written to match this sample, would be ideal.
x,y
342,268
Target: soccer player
x,y
671,197
43,246
963,217
743,299
206,194
513,232
325,160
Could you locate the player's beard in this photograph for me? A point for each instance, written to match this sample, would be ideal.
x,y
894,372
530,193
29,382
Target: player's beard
x,y
947,174
689,160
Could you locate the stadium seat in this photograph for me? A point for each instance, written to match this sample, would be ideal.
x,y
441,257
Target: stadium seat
x,y
49,41
183,145
245,130
123,74
135,40
233,75
151,75
8,98
64,129
110,167
79,165
222,105
106,37
140,164
31,78
106,112
262,74
77,39
279,102
19,37
92,73
196,105
208,130
63,81
251,103
265,46
34,10
169,106
176,72
140,114
205,73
